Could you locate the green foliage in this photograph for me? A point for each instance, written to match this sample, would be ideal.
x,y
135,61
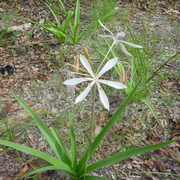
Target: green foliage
x,y
141,66
138,84
100,8
68,160
60,29
6,36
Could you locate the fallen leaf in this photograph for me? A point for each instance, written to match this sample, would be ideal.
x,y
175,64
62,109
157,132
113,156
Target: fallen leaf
x,y
22,172
99,157
160,165
35,168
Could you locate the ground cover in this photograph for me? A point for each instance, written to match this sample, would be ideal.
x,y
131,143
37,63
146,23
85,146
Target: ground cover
x,y
38,59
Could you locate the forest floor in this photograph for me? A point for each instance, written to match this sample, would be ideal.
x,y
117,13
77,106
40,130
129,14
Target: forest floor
x,y
37,58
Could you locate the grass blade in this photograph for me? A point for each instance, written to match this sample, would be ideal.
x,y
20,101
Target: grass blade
x,y
162,65
54,14
159,79
77,13
62,5
95,23
66,22
76,20
150,107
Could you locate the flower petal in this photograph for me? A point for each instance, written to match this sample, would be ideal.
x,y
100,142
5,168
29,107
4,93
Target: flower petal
x,y
86,64
106,28
131,44
84,93
106,36
76,81
124,50
116,85
107,66
103,97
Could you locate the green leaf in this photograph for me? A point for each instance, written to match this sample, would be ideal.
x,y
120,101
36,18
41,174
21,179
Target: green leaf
x,y
162,65
159,79
124,155
54,14
67,21
62,5
49,23
46,169
58,32
95,23
106,128
64,152
36,153
76,20
150,107
75,33
55,30
77,13
92,178
44,130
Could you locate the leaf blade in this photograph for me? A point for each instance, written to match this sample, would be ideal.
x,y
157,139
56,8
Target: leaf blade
x,y
35,152
124,155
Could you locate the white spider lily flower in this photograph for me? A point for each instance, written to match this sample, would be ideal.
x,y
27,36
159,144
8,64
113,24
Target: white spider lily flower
x,y
117,41
95,80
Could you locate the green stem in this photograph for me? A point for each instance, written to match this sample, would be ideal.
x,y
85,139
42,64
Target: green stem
x,y
92,123
92,116
106,56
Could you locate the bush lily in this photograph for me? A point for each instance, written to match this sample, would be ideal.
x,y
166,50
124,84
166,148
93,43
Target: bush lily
x,y
95,78
117,41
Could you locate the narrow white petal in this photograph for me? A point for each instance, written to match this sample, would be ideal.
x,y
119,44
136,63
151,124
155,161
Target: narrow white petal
x,y
86,64
107,66
76,81
116,85
131,44
124,50
106,36
121,34
105,28
103,97
84,93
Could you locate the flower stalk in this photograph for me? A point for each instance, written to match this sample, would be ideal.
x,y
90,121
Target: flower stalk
x,y
106,56
92,116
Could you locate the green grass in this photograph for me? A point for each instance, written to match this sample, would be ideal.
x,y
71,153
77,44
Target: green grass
x,y
7,37
143,64
100,8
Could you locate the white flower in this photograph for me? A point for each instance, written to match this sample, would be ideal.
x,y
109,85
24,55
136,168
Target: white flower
x,y
117,41
95,80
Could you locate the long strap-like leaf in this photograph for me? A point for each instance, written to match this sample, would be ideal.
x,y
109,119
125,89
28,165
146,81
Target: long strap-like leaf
x,y
45,131
123,155
40,154
70,173
162,66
